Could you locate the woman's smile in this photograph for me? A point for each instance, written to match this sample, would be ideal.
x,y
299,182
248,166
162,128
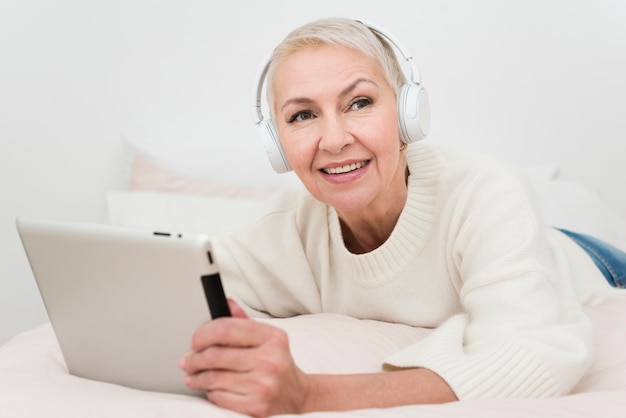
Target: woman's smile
x,y
345,173
345,168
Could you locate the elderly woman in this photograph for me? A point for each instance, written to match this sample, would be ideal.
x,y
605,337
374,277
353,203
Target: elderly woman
x,y
418,234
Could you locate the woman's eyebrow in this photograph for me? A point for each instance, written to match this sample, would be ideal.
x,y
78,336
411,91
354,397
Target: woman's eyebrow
x,y
296,100
345,91
355,84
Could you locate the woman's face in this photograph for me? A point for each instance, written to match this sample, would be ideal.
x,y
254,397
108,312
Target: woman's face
x,y
337,119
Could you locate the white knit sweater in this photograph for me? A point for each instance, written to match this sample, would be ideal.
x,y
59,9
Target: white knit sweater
x,y
468,257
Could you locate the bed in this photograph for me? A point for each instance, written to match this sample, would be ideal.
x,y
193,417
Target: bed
x,y
34,381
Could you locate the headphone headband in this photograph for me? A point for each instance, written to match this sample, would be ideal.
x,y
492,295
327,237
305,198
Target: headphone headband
x,y
415,73
259,80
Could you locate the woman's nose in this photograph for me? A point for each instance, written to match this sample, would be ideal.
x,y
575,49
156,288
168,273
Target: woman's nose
x,y
335,135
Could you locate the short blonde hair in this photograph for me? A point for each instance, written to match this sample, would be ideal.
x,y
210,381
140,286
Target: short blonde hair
x,y
340,32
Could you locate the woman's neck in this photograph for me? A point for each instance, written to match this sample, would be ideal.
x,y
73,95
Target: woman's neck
x,y
364,231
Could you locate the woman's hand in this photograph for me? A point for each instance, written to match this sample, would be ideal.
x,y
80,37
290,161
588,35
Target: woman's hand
x,y
245,366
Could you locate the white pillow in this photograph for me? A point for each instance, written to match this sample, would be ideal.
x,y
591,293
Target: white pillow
x,y
147,175
177,212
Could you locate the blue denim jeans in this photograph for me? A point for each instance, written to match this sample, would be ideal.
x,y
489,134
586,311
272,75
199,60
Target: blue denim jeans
x,y
610,260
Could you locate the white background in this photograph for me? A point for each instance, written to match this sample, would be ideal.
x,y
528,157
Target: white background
x,y
534,81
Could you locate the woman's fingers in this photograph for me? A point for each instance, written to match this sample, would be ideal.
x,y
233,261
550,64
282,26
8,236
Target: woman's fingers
x,y
242,403
217,358
244,365
254,392
236,310
235,344
235,332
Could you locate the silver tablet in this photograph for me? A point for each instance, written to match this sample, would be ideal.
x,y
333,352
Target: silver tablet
x,y
123,302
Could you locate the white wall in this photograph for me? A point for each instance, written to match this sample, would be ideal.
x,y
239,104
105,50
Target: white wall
x,y
533,81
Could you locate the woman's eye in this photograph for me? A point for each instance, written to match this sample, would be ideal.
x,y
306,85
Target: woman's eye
x,y
360,103
300,116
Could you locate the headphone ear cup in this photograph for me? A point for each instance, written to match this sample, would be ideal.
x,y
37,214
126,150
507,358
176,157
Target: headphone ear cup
x,y
273,147
413,113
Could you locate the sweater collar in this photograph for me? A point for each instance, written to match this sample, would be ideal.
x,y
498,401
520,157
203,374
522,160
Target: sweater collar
x,y
411,233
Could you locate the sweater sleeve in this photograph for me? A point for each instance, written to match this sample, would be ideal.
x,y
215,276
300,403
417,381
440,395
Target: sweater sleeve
x,y
520,331
265,261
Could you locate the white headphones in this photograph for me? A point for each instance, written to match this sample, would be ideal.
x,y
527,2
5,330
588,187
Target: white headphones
x,y
413,108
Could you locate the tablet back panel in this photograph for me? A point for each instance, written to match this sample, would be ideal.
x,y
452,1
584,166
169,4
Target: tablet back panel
x,y
123,302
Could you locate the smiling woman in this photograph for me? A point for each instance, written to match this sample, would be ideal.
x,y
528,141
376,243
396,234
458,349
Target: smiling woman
x,y
346,116
412,234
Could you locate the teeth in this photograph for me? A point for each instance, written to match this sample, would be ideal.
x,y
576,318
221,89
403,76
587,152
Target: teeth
x,y
344,169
